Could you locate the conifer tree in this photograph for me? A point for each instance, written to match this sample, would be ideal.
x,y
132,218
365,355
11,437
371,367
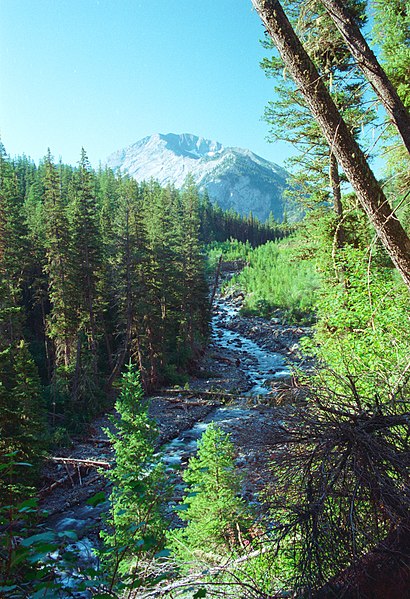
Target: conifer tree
x,y
108,189
216,516
194,300
159,277
13,231
392,32
22,428
127,262
13,234
63,320
22,417
136,527
316,176
338,135
87,249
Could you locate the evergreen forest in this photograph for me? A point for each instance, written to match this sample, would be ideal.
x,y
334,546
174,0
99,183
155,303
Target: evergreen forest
x,y
116,301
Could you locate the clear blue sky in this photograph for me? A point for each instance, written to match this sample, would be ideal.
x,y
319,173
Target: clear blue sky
x,y
104,73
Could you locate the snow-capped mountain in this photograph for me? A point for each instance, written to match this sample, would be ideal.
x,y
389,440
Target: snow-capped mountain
x,y
234,177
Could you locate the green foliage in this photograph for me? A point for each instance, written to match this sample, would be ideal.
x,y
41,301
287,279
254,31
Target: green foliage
x,y
289,117
392,34
29,564
230,250
277,279
94,269
392,29
22,418
219,226
60,258
341,486
364,329
217,518
136,527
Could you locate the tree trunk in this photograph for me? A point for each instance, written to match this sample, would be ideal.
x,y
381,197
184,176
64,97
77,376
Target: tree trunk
x,y
215,287
370,66
77,372
337,134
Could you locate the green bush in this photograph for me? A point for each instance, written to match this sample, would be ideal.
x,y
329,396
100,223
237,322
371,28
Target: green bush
x,y
278,282
230,250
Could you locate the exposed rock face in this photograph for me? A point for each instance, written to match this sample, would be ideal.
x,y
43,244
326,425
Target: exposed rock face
x,y
235,178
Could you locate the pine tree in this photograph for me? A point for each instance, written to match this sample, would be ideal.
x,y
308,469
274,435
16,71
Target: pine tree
x,y
338,135
87,276
216,516
136,527
368,63
22,428
160,279
127,264
63,320
316,177
108,190
13,232
194,299
392,32
88,249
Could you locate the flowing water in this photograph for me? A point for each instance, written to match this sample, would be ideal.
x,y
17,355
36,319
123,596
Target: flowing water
x,y
267,366
260,367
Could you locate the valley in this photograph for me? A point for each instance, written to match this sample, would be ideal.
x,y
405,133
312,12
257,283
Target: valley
x,y
244,384
204,355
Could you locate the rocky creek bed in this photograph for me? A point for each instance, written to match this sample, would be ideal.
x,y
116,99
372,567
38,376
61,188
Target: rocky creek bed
x,y
244,383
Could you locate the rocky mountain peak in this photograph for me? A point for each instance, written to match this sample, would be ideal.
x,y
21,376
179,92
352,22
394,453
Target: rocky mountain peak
x,y
235,178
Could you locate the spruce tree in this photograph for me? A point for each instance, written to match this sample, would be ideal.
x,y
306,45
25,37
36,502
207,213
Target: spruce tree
x,y
127,264
21,413
63,320
216,516
159,279
108,186
13,232
194,299
136,526
87,248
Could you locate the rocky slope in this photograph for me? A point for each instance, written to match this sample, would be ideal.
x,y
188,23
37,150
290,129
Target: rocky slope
x,y
234,178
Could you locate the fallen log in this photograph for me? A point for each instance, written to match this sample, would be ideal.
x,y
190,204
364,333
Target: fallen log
x,y
56,483
192,393
76,461
184,405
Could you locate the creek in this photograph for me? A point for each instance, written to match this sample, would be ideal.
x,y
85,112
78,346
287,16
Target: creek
x,y
247,419
260,367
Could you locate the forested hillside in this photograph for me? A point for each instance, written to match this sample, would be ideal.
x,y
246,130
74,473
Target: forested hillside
x,y
95,270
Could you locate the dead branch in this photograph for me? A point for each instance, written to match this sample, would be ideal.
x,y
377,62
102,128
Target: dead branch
x,y
198,578
76,461
56,483
190,393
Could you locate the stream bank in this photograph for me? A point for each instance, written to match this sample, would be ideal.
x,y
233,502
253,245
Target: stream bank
x,y
243,383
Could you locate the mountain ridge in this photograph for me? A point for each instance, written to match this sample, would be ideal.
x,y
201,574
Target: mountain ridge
x,y
235,178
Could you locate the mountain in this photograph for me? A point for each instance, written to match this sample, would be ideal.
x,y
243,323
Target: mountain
x,y
234,178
